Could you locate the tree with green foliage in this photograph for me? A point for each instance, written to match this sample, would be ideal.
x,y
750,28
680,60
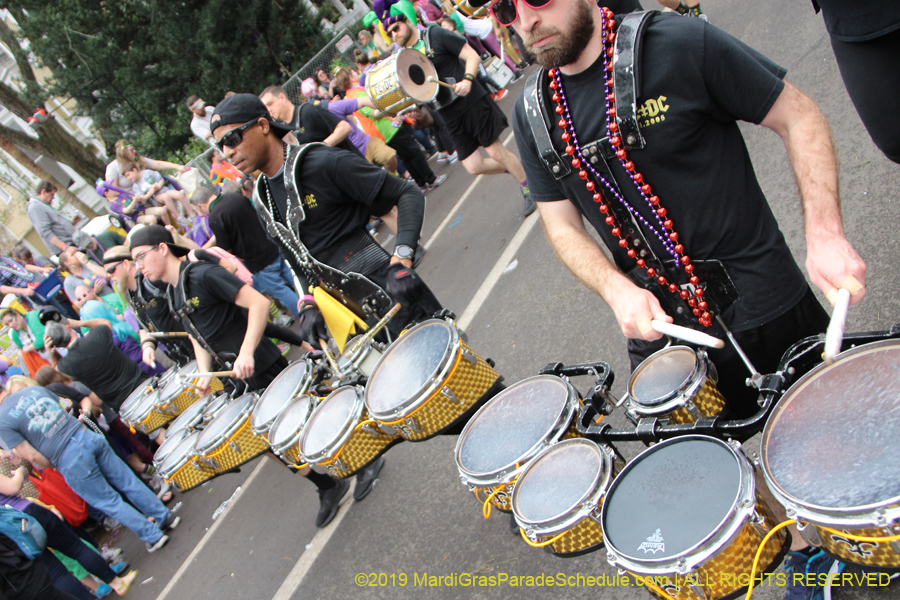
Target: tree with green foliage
x,y
130,64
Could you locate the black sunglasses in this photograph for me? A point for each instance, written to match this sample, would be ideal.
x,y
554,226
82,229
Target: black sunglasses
x,y
506,13
236,135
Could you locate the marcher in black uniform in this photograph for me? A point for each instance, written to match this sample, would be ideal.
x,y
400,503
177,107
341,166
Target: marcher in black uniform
x,y
865,37
339,191
210,300
691,183
474,119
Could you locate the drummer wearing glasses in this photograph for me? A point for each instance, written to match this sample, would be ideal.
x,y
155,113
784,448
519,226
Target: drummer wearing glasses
x,y
473,119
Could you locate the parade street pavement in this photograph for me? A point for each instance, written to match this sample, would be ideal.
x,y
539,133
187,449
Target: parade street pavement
x,y
522,308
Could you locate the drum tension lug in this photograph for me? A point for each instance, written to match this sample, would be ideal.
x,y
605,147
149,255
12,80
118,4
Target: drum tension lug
x,y
470,356
446,391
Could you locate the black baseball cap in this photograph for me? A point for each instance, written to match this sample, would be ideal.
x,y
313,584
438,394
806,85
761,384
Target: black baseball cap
x,y
154,235
242,108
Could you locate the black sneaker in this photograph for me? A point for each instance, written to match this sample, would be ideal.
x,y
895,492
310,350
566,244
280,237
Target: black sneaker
x,y
171,522
330,501
365,479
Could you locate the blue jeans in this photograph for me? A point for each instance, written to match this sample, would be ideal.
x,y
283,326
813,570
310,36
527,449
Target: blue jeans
x,y
277,280
422,138
94,472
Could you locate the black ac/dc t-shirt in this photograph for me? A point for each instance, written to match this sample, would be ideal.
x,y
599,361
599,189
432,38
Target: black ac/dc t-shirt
x,y
233,220
97,363
446,46
222,323
314,123
696,83
336,203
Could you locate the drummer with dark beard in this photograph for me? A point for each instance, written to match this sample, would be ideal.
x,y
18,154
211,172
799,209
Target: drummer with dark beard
x,y
208,301
337,191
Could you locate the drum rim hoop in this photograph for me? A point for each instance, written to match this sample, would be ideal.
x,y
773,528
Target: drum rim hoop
x,y
243,417
355,416
191,367
505,474
299,389
181,432
713,542
188,456
432,384
589,503
199,406
295,437
810,511
688,389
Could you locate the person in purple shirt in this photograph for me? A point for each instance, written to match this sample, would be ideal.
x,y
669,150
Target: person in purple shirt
x,y
374,149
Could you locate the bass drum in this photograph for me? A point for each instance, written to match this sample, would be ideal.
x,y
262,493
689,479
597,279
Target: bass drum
x,y
831,455
397,84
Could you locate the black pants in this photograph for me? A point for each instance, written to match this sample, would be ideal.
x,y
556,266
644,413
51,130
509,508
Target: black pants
x,y
441,134
764,346
413,159
33,583
872,77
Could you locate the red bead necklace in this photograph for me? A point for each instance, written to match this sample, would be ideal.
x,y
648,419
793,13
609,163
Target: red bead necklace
x,y
694,295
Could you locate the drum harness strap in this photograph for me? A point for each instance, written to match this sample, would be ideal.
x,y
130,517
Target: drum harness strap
x,y
721,291
284,230
185,312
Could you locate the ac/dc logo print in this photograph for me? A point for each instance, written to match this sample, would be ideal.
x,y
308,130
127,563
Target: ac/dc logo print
x,y
861,549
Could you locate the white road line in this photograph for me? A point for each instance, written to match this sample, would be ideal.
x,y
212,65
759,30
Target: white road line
x,y
459,203
491,280
208,536
302,566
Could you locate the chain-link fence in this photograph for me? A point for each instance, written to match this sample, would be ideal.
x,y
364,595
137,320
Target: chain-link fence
x,y
203,164
336,54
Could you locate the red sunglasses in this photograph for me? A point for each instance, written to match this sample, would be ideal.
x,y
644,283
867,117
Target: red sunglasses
x,y
506,13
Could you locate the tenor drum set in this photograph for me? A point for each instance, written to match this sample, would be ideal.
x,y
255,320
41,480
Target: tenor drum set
x,y
686,516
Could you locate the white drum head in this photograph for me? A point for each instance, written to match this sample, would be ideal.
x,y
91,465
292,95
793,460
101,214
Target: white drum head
x,y
408,366
134,398
329,421
662,375
176,385
189,417
558,481
170,443
183,450
413,72
230,416
289,423
279,394
511,424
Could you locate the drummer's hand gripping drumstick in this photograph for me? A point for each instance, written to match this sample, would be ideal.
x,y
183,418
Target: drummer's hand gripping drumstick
x,y
688,335
373,331
834,335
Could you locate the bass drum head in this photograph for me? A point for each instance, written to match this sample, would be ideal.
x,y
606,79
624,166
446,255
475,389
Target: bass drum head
x,y
176,384
512,424
192,415
832,440
289,423
671,498
329,421
662,375
557,481
278,395
408,366
413,72
232,414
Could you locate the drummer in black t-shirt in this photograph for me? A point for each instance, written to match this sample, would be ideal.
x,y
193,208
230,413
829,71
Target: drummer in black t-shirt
x,y
473,119
214,297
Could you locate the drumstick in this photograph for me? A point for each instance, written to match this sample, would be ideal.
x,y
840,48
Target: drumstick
x,y
439,82
331,362
834,335
688,335
370,335
211,374
165,334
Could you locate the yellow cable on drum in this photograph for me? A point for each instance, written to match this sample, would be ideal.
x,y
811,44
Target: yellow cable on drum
x,y
759,551
486,508
861,538
540,544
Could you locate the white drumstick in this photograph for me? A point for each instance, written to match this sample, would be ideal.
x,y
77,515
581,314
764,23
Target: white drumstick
x,y
431,79
835,333
688,335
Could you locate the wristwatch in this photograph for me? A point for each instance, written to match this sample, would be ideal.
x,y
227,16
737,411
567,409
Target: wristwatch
x,y
404,252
